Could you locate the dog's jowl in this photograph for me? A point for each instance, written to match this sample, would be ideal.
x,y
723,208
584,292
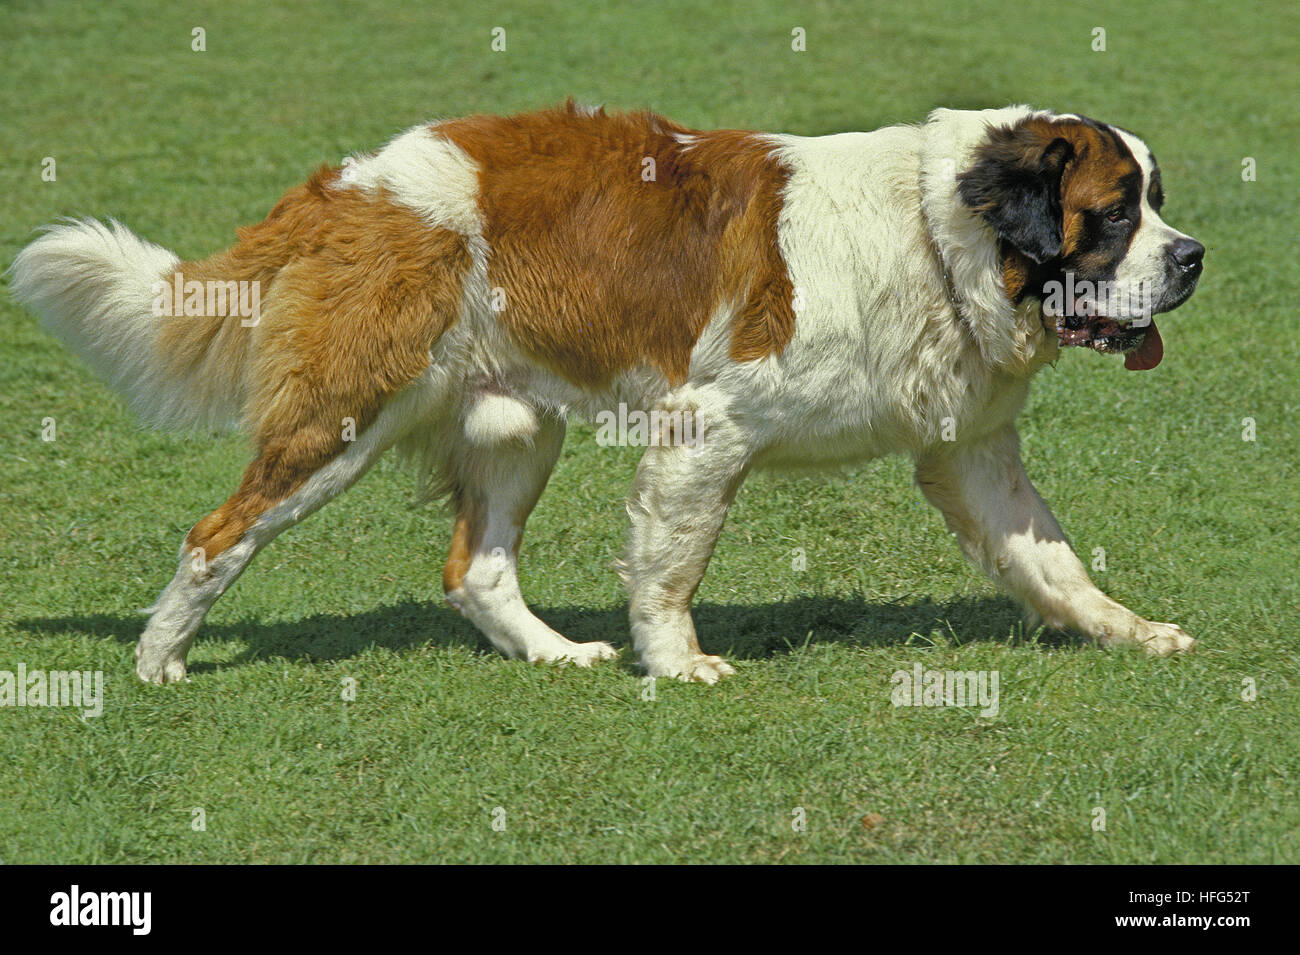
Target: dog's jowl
x,y
463,291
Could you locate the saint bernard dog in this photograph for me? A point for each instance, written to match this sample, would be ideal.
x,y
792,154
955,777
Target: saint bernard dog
x,y
463,291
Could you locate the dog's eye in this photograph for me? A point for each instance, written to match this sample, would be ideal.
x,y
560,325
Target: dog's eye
x,y
1117,214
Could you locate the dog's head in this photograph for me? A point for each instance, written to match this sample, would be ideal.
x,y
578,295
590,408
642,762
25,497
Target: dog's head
x,y
1076,207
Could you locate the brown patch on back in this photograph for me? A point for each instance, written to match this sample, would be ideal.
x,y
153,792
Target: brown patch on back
x,y
603,270
355,291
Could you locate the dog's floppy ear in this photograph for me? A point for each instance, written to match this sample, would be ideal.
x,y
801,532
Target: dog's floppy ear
x,y
1015,185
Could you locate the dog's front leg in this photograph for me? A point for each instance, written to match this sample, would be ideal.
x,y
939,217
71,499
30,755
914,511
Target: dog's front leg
x,y
678,503
1005,527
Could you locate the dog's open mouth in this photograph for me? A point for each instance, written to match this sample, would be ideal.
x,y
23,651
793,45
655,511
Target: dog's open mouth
x,y
1141,346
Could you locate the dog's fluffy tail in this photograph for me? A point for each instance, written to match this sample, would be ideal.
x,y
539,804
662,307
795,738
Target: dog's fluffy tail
x,y
97,287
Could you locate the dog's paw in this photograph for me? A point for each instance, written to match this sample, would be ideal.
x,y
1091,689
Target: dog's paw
x,y
1163,639
586,654
703,668
697,668
578,654
158,667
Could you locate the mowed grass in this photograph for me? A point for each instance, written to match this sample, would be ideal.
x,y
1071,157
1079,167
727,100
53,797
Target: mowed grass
x,y
1198,525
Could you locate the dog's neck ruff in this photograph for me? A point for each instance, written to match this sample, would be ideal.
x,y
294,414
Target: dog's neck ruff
x,y
949,288
1008,335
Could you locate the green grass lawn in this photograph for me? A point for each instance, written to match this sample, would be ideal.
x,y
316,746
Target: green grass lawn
x,y
1198,525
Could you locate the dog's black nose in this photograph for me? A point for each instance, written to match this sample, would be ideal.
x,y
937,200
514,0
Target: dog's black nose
x,y
1187,254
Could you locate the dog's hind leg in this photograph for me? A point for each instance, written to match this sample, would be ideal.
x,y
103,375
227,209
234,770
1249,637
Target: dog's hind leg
x,y
290,479
495,489
1007,529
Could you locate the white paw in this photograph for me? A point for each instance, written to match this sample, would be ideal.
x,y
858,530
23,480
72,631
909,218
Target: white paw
x,y
156,666
585,654
698,668
1162,639
579,654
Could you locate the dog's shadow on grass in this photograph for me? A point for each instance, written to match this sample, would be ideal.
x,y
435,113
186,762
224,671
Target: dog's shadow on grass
x,y
742,632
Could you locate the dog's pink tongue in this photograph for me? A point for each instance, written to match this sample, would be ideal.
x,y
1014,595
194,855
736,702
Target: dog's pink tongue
x,y
1147,355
